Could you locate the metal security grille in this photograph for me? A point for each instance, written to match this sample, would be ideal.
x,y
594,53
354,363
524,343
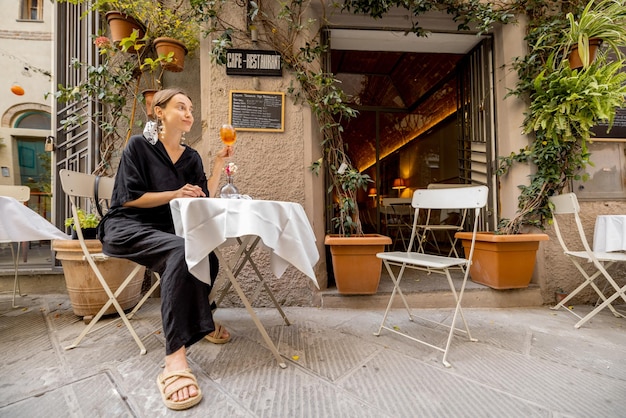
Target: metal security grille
x,y
77,147
476,114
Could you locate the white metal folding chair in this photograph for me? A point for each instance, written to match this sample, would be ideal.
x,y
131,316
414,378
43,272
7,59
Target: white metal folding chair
x,y
21,194
567,204
466,197
79,186
436,223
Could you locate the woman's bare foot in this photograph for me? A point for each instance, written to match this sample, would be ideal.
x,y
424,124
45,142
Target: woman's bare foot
x,y
175,362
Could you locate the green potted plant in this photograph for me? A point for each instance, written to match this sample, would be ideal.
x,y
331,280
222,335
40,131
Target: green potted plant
x,y
88,224
565,104
599,22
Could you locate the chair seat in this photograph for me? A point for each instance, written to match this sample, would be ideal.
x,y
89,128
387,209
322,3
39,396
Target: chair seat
x,y
421,259
616,256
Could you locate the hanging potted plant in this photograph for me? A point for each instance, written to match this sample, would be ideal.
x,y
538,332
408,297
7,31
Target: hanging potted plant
x,y
602,22
122,26
175,33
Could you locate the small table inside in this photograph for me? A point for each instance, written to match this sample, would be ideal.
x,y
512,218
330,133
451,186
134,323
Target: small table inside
x,y
283,228
609,233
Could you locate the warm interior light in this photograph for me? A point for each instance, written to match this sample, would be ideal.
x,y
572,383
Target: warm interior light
x,y
398,184
372,192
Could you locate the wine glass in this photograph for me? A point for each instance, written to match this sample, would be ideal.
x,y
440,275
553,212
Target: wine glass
x,y
228,134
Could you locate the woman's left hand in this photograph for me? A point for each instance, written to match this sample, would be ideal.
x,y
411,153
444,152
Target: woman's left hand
x,y
226,152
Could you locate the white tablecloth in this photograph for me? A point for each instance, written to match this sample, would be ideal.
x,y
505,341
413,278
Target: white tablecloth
x,y
19,223
610,233
206,223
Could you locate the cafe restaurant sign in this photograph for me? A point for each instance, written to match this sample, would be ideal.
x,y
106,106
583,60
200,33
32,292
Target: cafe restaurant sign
x,y
253,62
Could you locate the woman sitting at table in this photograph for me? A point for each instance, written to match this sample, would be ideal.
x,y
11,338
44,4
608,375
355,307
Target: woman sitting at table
x,y
154,169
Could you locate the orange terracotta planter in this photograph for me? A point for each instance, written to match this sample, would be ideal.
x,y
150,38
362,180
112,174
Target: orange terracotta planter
x,y
122,26
164,46
83,287
502,261
574,57
148,95
355,265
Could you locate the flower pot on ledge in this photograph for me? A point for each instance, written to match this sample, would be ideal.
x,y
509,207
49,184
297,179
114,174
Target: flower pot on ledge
x,y
355,265
502,261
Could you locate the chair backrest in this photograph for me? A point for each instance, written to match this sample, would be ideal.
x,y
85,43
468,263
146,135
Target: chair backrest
x,y
19,193
471,197
567,204
463,198
83,186
448,216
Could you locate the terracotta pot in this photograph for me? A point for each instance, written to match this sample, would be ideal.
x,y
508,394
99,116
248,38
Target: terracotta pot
x,y
355,265
502,261
85,291
122,26
574,57
164,46
148,95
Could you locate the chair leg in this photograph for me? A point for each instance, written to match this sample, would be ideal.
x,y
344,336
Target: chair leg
x,y
589,280
396,288
607,302
112,301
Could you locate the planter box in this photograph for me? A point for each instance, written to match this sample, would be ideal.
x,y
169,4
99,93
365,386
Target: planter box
x,y
502,261
355,265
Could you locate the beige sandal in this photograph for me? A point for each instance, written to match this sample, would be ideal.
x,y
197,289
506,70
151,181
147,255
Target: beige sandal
x,y
217,337
169,384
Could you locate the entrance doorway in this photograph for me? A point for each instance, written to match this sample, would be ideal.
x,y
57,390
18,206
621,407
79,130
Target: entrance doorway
x,y
425,112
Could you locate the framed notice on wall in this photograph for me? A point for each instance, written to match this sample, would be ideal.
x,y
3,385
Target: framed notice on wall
x,y
262,111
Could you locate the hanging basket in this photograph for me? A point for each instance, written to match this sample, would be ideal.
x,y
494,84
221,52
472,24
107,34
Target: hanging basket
x,y
574,59
122,26
164,46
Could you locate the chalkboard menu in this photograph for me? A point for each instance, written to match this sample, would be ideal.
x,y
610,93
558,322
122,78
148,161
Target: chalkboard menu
x,y
257,111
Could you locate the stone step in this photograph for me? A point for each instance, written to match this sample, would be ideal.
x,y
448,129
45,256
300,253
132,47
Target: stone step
x,y
423,290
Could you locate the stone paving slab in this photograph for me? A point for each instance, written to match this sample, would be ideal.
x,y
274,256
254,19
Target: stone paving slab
x,y
527,362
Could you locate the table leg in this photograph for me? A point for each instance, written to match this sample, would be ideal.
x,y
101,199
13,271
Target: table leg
x,y
246,302
243,255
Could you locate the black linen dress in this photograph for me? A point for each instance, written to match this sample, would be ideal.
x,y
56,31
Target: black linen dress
x,y
146,236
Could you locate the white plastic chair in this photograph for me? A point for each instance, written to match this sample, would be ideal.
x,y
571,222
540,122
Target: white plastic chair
x,y
21,194
423,200
567,204
79,186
